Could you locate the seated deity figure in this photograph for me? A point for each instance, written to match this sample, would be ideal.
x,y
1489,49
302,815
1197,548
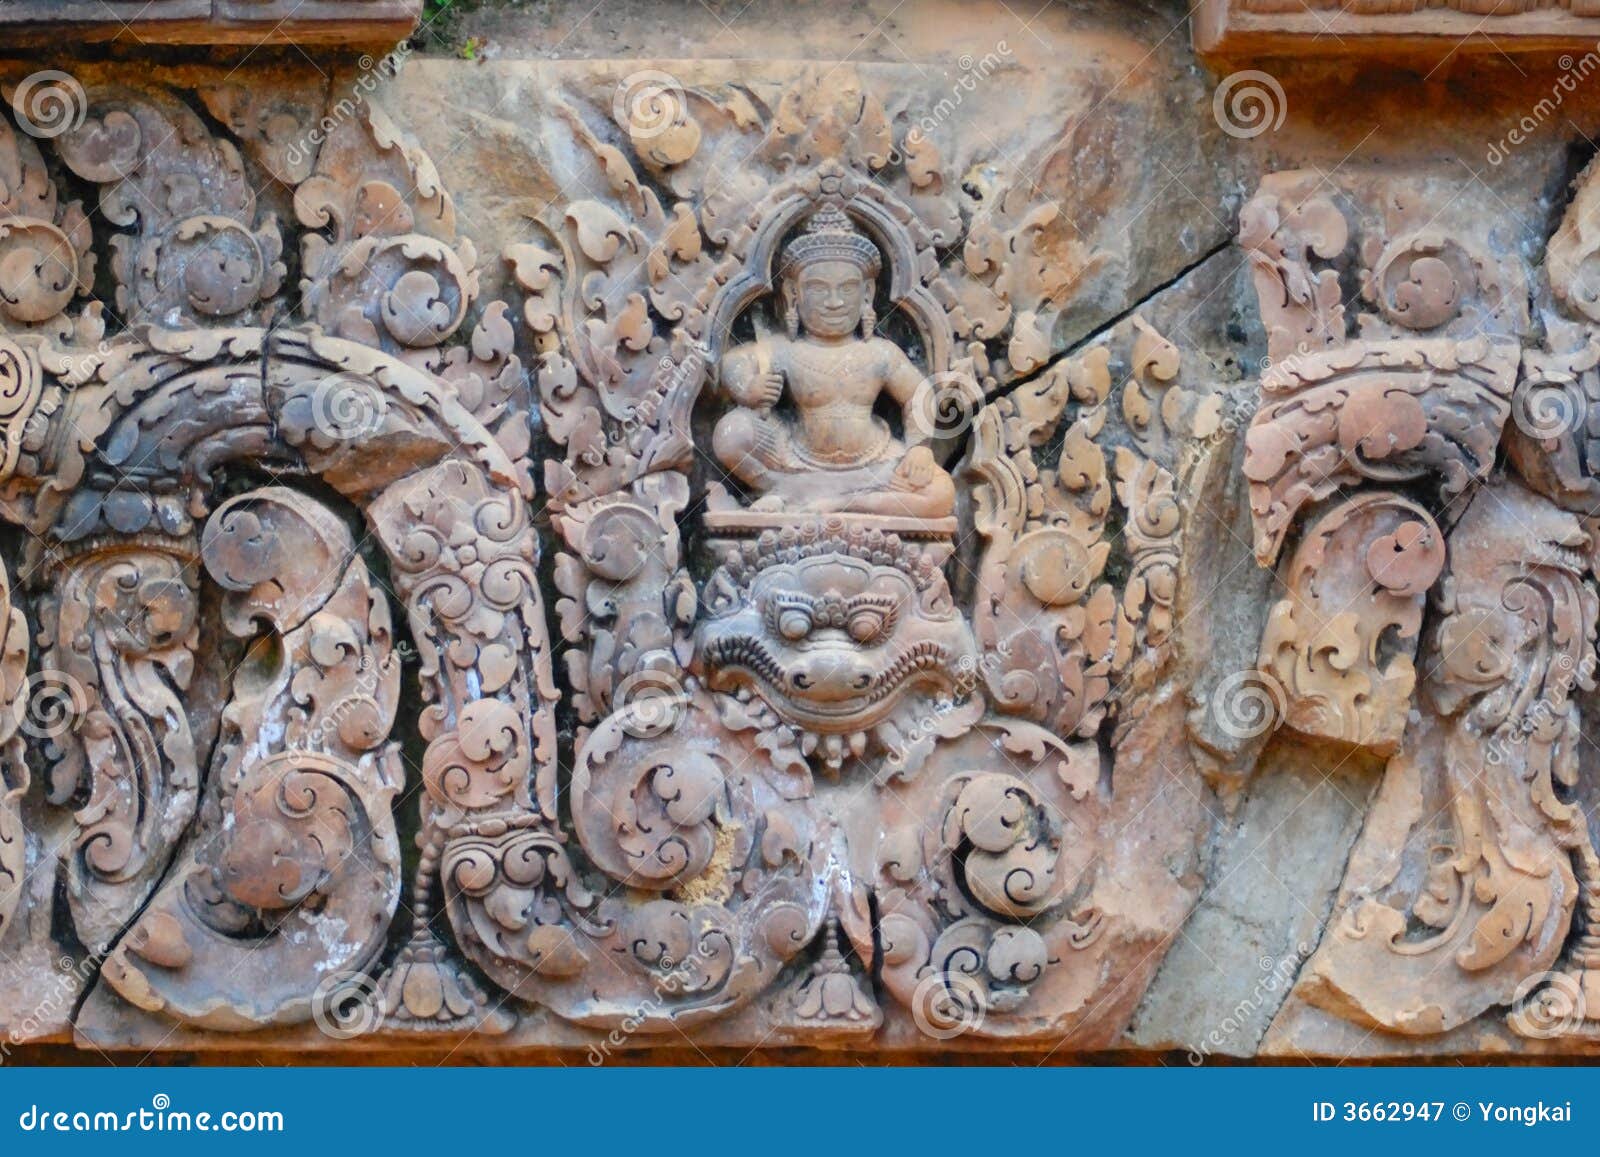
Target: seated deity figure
x,y
832,454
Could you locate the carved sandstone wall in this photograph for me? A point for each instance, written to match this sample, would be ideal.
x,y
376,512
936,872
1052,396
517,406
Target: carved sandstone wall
x,y
916,529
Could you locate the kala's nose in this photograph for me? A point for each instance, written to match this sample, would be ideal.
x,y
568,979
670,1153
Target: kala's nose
x,y
831,677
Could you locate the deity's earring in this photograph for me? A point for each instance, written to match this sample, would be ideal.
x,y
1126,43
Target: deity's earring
x,y
869,322
791,319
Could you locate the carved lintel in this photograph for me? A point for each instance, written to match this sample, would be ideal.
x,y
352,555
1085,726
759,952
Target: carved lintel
x,y
1382,27
779,675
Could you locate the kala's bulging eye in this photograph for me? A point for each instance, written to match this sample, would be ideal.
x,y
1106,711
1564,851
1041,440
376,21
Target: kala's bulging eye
x,y
865,626
794,625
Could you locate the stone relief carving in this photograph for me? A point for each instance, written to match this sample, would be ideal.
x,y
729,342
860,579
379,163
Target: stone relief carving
x,y
1448,628
219,900
780,732
853,716
856,577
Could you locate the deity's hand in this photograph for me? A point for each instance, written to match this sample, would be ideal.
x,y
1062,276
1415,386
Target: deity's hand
x,y
918,468
764,390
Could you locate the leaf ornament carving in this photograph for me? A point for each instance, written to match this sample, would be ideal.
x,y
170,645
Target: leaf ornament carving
x,y
730,864
1292,243
463,560
1472,807
985,887
1341,644
118,632
294,864
203,250
1048,547
1460,893
1383,412
46,244
14,775
391,272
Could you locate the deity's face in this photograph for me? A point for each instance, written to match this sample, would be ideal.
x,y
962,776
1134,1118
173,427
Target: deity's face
x,y
830,296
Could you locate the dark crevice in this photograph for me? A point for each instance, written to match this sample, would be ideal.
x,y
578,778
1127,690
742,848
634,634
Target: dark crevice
x,y
1109,325
875,973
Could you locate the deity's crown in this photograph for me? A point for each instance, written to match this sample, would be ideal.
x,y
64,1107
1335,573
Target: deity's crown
x,y
831,236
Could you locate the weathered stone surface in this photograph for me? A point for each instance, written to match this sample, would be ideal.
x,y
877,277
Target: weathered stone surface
x,y
895,528
249,22
1340,27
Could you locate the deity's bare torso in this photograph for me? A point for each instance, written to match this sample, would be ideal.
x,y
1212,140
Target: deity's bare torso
x,y
828,451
